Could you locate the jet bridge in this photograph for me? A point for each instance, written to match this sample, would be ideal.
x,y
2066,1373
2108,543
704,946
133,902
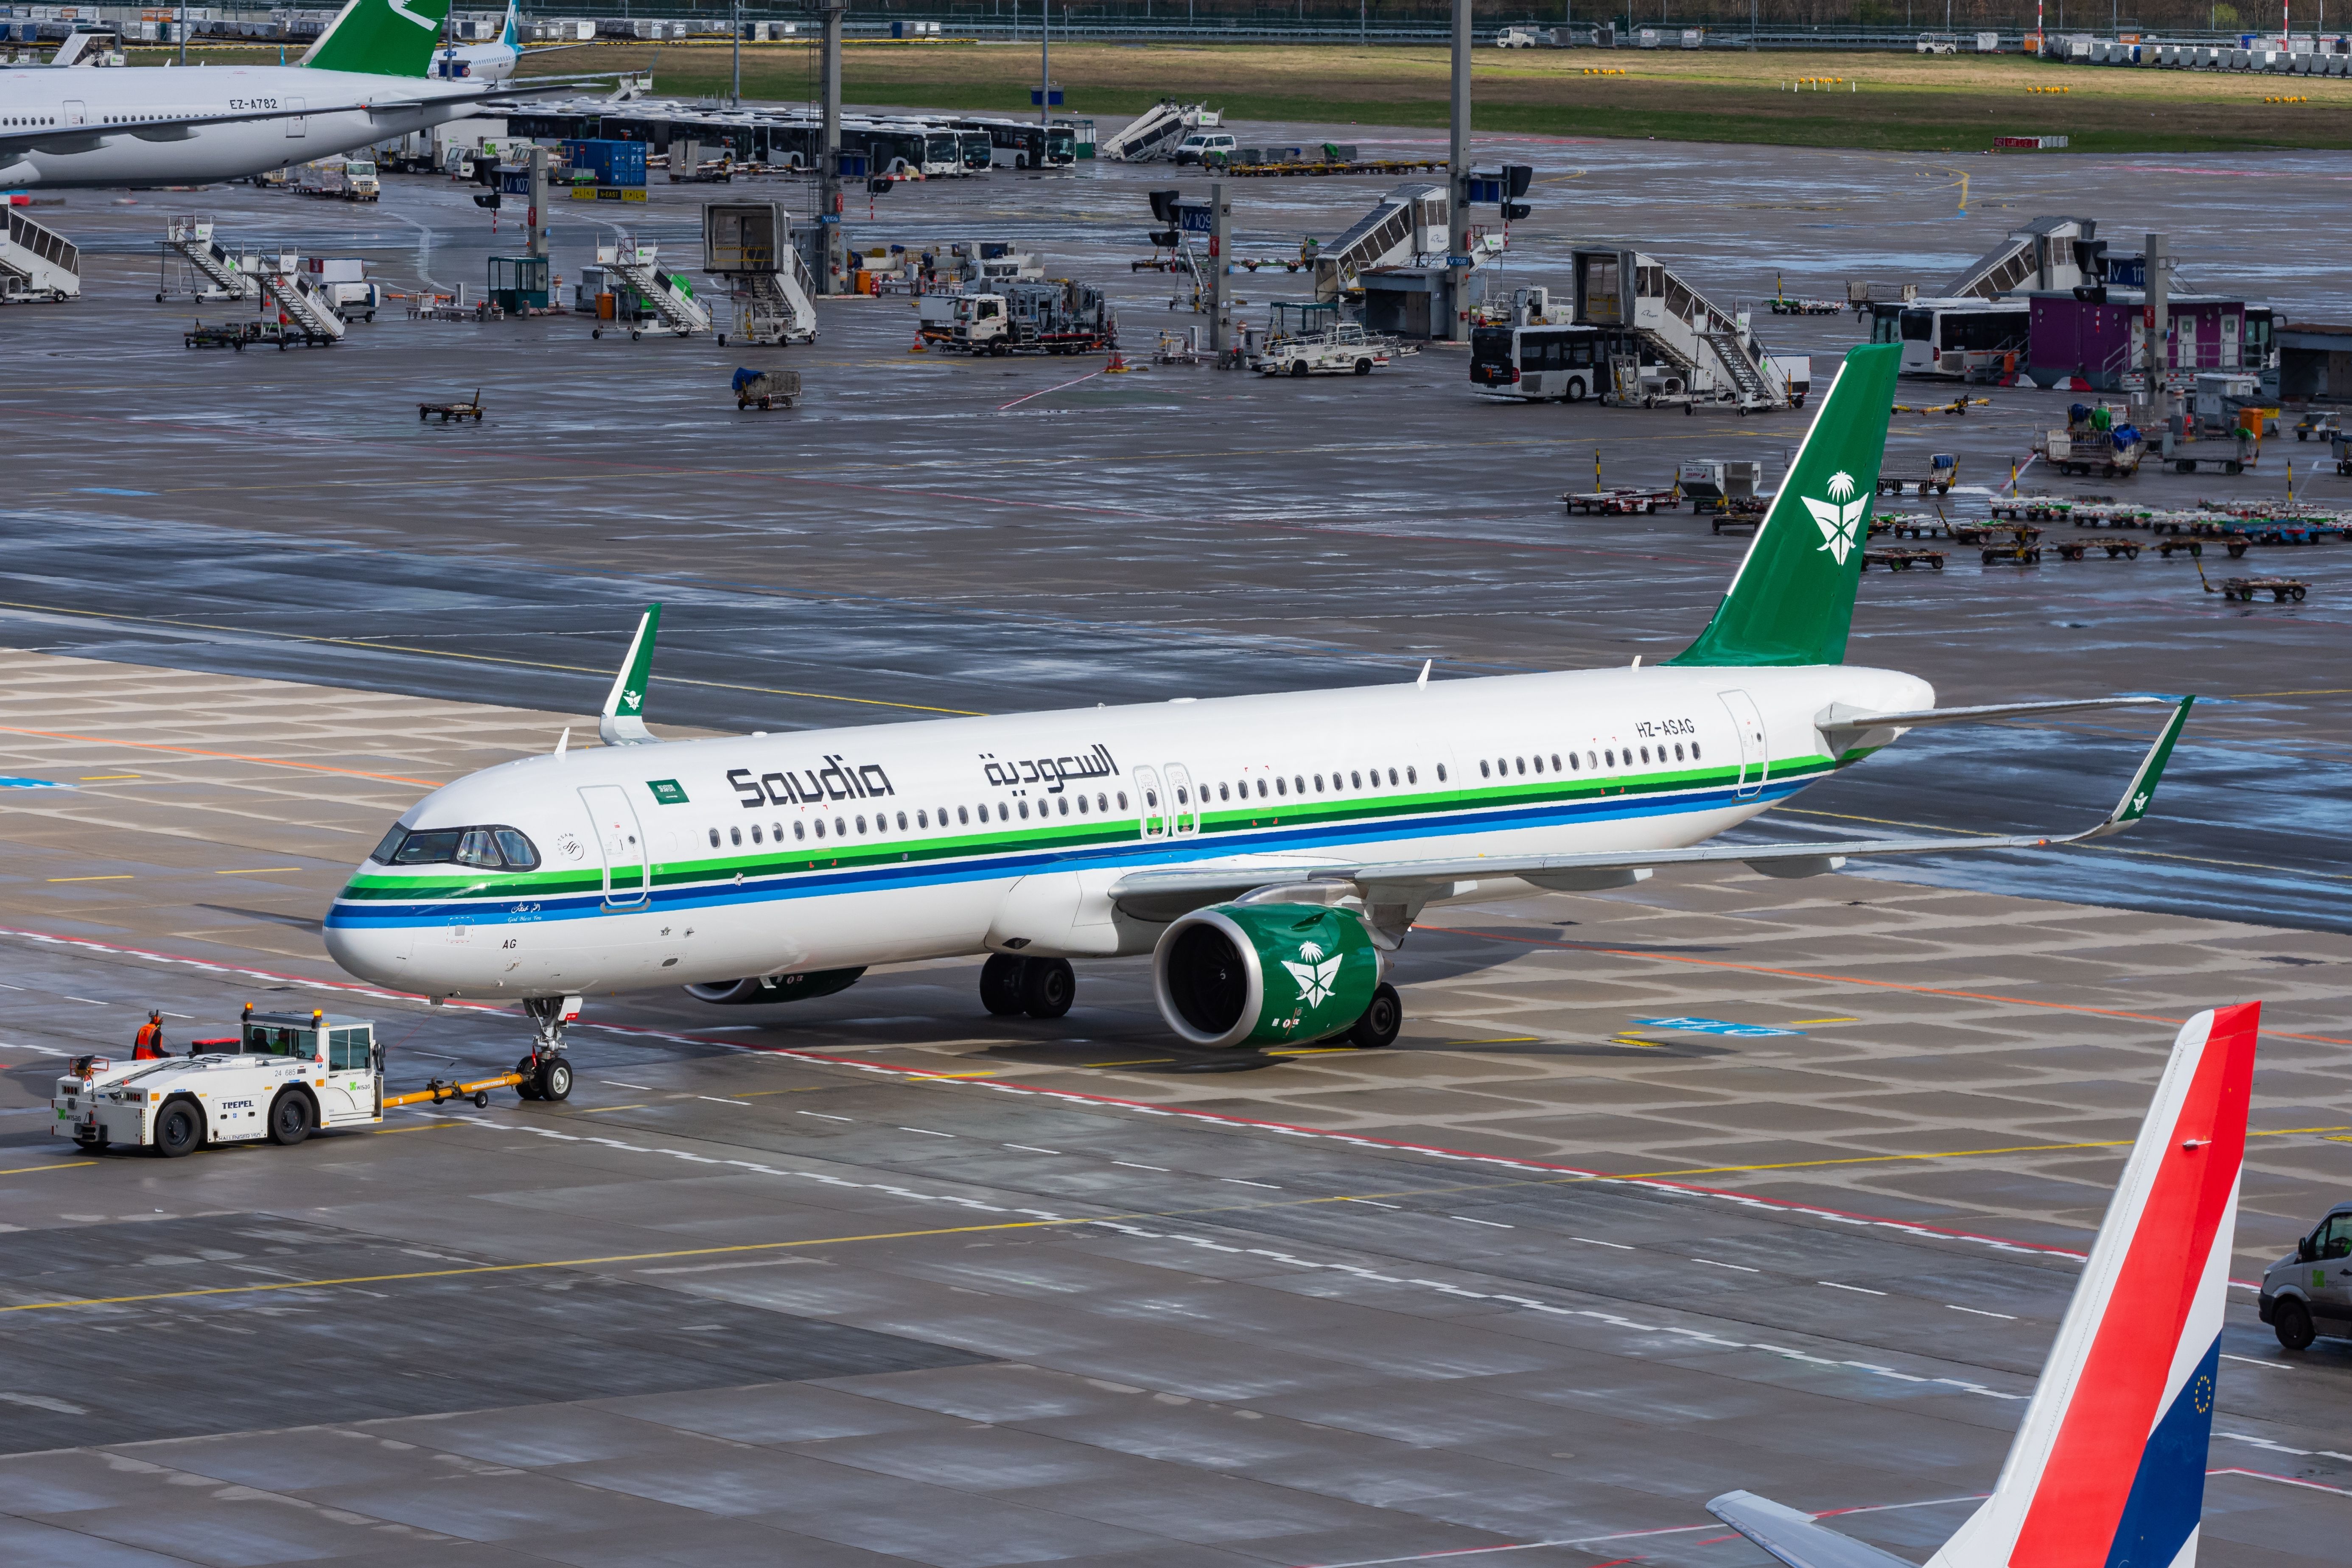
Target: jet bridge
x,y
2048,253
1714,353
37,262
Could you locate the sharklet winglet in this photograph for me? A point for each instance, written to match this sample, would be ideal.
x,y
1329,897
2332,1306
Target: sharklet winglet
x,y
622,723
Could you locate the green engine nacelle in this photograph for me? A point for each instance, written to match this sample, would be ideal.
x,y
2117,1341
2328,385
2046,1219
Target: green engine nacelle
x,y
1264,974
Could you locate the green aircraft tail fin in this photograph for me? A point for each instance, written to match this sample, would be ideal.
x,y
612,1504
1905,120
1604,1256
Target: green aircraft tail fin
x,y
381,37
622,723
1792,600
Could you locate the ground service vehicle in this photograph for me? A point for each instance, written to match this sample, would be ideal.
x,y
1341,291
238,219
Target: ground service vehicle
x,y
1059,317
2309,1293
285,1077
1570,363
340,179
1953,339
1201,146
1342,350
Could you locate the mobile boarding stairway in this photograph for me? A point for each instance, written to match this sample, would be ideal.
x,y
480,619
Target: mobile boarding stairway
x,y
1155,132
1414,220
37,263
749,244
2048,253
1714,354
301,303
668,294
224,275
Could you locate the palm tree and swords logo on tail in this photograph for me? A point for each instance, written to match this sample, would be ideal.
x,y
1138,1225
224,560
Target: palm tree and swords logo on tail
x,y
1840,517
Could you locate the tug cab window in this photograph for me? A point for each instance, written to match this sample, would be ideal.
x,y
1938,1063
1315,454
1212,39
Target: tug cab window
x,y
484,848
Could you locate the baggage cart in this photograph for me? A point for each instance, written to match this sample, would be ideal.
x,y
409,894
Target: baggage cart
x,y
766,389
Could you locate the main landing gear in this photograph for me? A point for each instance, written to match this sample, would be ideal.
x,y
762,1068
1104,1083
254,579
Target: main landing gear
x,y
1041,987
546,1074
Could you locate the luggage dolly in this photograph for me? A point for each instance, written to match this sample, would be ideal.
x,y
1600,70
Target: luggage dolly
x,y
448,411
2281,590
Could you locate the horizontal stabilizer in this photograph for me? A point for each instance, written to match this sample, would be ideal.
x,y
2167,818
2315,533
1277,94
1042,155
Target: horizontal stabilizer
x,y
1795,1538
1841,726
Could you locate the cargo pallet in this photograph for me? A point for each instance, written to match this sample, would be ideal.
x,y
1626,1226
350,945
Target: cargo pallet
x,y
1903,560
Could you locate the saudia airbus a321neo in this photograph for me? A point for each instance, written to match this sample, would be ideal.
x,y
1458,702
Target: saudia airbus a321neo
x,y
1268,852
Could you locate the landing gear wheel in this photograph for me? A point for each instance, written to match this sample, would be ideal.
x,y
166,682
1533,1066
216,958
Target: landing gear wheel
x,y
289,1119
554,1081
1048,987
527,1069
1000,984
2291,1321
1383,1017
178,1130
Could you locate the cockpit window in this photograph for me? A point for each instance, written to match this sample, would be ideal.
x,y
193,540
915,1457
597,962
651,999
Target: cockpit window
x,y
484,848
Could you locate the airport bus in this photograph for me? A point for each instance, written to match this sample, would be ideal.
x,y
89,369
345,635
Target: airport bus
x,y
1027,146
1952,339
1570,364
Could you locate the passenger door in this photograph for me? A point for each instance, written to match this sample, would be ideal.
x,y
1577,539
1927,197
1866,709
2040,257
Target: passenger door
x,y
1148,804
1755,761
626,883
297,125
1184,808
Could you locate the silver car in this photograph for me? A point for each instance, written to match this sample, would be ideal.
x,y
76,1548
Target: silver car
x,y
2309,1293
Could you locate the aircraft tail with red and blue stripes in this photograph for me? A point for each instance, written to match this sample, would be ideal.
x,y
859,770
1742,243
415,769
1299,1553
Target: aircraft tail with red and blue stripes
x,y
2108,1467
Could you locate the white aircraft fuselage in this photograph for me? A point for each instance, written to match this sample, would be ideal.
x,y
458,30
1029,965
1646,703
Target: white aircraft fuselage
x,y
704,861
322,112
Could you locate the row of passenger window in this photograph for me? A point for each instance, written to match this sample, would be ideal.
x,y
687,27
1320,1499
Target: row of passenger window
x,y
1608,757
844,825
1297,783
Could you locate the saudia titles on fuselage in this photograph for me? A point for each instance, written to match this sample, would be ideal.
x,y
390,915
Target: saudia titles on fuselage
x,y
840,780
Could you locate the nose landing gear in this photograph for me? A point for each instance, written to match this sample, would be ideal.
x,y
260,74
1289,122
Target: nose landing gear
x,y
1041,987
546,1074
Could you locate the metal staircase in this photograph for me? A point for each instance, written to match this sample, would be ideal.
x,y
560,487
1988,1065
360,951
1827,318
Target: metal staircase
x,y
775,307
669,295
1410,221
301,303
1716,353
1155,132
37,263
225,276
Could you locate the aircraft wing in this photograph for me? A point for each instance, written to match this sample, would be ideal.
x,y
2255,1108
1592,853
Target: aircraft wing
x,y
1410,883
1795,1538
65,139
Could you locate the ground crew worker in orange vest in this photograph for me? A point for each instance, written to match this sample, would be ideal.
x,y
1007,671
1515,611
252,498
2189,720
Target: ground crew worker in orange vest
x,y
149,1044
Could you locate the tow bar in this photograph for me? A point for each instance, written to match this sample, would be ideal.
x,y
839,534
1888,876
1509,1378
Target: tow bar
x,y
439,1092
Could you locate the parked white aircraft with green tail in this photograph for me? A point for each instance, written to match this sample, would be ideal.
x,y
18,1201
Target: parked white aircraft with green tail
x,y
363,81
1269,852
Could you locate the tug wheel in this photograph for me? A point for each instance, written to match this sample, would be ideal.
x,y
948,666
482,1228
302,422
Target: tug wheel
x,y
179,1128
289,1119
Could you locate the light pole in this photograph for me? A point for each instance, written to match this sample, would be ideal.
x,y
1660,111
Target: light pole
x,y
1457,211
1044,68
737,11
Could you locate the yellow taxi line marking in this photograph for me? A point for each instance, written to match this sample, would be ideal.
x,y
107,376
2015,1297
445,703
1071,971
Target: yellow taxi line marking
x,y
1506,1040
480,1269
28,1170
600,1110
988,1072
123,877
258,871
1794,1022
1287,1051
105,778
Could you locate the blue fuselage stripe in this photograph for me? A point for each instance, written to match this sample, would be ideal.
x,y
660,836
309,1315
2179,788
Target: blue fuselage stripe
x,y
378,914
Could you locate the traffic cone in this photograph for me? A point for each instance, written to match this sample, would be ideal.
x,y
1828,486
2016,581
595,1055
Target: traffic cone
x,y
1118,365
917,346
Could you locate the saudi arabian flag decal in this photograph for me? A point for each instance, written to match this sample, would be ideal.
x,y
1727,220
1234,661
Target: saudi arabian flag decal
x,y
1840,517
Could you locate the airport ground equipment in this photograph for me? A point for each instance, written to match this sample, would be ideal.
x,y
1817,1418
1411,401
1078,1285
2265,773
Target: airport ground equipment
x,y
1055,316
470,408
338,179
285,1077
1713,485
1902,558
766,389
1154,133
211,273
303,305
1713,353
1621,501
749,244
1943,471
231,335
2049,253
2308,1292
2246,590
2012,543
1408,223
2080,549
669,295
1311,337
2319,426
37,264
